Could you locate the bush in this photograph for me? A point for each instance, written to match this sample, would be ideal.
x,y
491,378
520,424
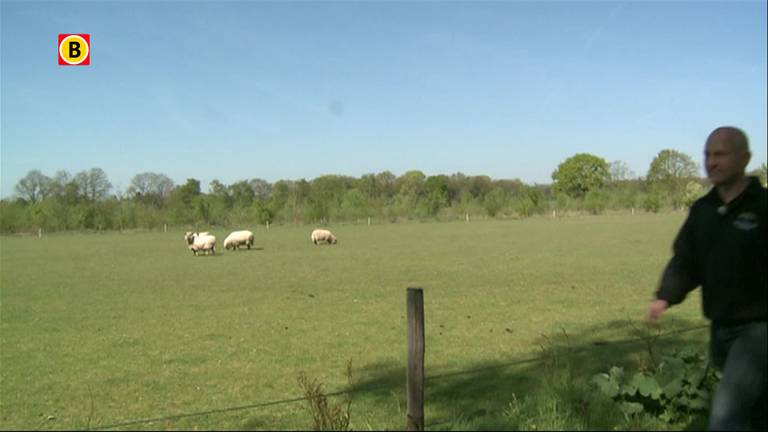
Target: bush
x,y
693,191
595,202
679,386
651,203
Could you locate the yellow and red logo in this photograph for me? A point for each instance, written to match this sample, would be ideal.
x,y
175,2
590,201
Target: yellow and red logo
x,y
74,49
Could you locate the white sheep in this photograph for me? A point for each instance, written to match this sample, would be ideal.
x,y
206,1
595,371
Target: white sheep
x,y
200,242
239,238
323,235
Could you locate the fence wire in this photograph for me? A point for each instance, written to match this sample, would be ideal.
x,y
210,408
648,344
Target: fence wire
x,y
568,353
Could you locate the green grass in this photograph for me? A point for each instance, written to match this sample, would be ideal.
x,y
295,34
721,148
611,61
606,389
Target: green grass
x,y
98,329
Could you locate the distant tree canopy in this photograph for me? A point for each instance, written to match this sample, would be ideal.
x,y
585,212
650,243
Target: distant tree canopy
x,y
670,172
93,184
580,174
619,171
33,187
583,182
671,165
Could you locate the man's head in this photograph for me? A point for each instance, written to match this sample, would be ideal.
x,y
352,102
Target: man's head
x,y
726,155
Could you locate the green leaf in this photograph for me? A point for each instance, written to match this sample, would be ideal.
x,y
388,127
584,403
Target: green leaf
x,y
631,408
629,389
646,385
673,388
696,375
606,384
670,376
697,404
617,373
667,416
672,366
689,354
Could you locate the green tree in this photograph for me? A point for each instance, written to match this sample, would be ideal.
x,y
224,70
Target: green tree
x,y
479,186
693,191
12,216
369,187
495,200
595,201
150,188
183,202
511,187
33,187
619,171
263,212
221,202
458,187
262,190
436,194
412,182
281,193
242,194
354,205
761,173
580,174
93,184
385,182
326,195
669,172
64,188
529,201
651,202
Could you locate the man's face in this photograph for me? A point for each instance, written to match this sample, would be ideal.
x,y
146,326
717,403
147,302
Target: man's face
x,y
724,162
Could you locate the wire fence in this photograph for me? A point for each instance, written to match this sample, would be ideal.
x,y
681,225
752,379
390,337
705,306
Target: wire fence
x,y
568,353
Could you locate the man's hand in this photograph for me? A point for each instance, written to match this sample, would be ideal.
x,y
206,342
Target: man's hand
x,y
655,309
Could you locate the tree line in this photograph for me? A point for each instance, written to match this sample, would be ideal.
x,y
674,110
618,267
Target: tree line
x,y
583,182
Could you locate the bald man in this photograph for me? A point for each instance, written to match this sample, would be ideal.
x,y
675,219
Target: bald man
x,y
722,247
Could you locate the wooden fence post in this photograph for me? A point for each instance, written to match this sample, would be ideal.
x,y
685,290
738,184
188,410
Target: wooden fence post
x,y
415,378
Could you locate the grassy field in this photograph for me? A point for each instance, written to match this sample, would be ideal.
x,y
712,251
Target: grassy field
x,y
99,329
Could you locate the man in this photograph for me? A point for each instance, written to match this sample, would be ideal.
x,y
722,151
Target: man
x,y
722,247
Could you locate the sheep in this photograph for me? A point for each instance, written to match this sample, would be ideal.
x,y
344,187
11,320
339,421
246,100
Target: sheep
x,y
238,238
199,242
320,235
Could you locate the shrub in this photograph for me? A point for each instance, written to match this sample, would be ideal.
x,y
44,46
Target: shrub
x,y
326,417
651,203
678,387
595,202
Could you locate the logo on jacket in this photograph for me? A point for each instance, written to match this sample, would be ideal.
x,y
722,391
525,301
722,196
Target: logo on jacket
x,y
746,221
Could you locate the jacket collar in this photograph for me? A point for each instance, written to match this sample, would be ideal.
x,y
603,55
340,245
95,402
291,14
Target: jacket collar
x,y
753,188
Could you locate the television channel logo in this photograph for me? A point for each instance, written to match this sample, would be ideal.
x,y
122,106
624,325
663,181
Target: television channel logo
x,y
74,49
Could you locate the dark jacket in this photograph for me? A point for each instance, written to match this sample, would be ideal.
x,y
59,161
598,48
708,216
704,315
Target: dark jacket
x,y
722,248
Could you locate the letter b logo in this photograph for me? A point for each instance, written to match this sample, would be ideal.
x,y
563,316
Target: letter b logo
x,y
74,49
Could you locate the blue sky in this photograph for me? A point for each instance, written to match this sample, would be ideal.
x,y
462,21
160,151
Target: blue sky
x,y
289,90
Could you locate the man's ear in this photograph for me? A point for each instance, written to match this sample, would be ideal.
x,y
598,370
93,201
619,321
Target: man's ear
x,y
747,157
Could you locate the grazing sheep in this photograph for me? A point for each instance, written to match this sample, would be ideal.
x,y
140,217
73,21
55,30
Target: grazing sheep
x,y
238,238
200,242
323,235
